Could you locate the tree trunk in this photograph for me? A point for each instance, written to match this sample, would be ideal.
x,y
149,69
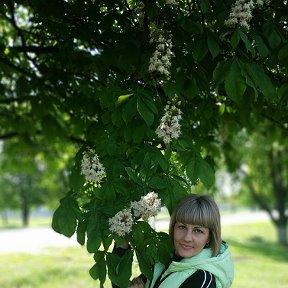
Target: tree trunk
x,y
279,190
282,234
25,209
5,218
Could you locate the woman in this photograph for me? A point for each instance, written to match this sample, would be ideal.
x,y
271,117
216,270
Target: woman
x,y
202,259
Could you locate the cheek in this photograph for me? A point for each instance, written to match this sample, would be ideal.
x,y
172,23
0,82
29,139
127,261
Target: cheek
x,y
176,235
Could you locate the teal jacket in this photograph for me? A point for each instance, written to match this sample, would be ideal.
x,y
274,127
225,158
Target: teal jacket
x,y
221,266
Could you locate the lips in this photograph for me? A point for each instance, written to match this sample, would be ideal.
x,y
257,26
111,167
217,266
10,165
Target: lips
x,y
186,247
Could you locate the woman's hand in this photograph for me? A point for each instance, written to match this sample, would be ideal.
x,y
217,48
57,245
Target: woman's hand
x,y
136,283
124,244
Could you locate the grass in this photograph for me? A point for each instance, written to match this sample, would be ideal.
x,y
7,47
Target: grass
x,y
57,268
15,222
259,262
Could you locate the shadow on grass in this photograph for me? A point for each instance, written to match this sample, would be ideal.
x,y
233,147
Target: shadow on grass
x,y
10,227
260,247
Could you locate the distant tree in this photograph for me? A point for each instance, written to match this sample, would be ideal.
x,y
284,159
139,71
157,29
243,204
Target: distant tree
x,y
260,160
29,179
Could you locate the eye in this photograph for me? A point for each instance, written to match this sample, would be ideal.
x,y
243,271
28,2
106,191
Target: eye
x,y
181,226
196,230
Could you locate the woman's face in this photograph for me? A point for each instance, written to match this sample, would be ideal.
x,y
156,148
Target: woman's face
x,y
189,239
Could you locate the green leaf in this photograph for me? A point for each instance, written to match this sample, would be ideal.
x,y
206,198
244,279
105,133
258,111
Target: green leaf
x,y
222,109
213,45
235,38
235,84
81,232
261,46
65,216
270,31
144,264
149,166
139,132
221,72
190,26
205,6
123,98
133,175
120,268
158,182
189,87
283,55
247,43
283,91
140,233
116,118
76,180
165,247
201,49
22,87
175,193
248,73
94,234
159,158
98,271
191,168
206,173
171,89
264,82
145,111
106,191
52,128
148,99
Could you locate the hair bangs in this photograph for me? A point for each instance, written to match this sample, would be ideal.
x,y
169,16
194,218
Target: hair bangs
x,y
195,215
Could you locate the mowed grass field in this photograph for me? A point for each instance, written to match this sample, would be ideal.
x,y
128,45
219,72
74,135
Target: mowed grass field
x,y
259,262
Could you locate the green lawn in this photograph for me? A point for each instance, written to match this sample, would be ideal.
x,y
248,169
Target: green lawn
x,y
259,263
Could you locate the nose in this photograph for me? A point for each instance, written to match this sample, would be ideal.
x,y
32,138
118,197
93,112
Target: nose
x,y
188,236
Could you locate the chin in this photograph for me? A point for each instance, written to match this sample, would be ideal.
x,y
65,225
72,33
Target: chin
x,y
185,254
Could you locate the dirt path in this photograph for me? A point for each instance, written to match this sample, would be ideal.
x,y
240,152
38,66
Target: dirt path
x,y
33,240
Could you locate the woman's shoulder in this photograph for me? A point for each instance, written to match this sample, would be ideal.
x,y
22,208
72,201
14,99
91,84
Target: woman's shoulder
x,y
200,278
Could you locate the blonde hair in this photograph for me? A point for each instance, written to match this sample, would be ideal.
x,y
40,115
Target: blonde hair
x,y
199,210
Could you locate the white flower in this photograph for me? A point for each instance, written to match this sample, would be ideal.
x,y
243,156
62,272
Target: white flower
x,y
160,60
148,206
169,127
241,12
121,224
91,167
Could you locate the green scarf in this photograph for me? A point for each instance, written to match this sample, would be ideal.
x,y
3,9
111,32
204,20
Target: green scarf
x,y
221,266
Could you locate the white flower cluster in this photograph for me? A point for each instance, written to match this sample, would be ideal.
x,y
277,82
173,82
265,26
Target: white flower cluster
x,y
169,127
160,61
121,223
148,206
241,12
91,167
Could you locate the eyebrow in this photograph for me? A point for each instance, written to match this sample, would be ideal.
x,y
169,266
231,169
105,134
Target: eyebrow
x,y
196,225
199,226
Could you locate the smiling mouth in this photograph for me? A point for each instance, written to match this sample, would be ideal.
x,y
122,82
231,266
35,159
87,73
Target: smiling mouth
x,y
186,247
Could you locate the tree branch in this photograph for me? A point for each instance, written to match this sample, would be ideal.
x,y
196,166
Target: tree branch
x,y
14,67
35,49
8,135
